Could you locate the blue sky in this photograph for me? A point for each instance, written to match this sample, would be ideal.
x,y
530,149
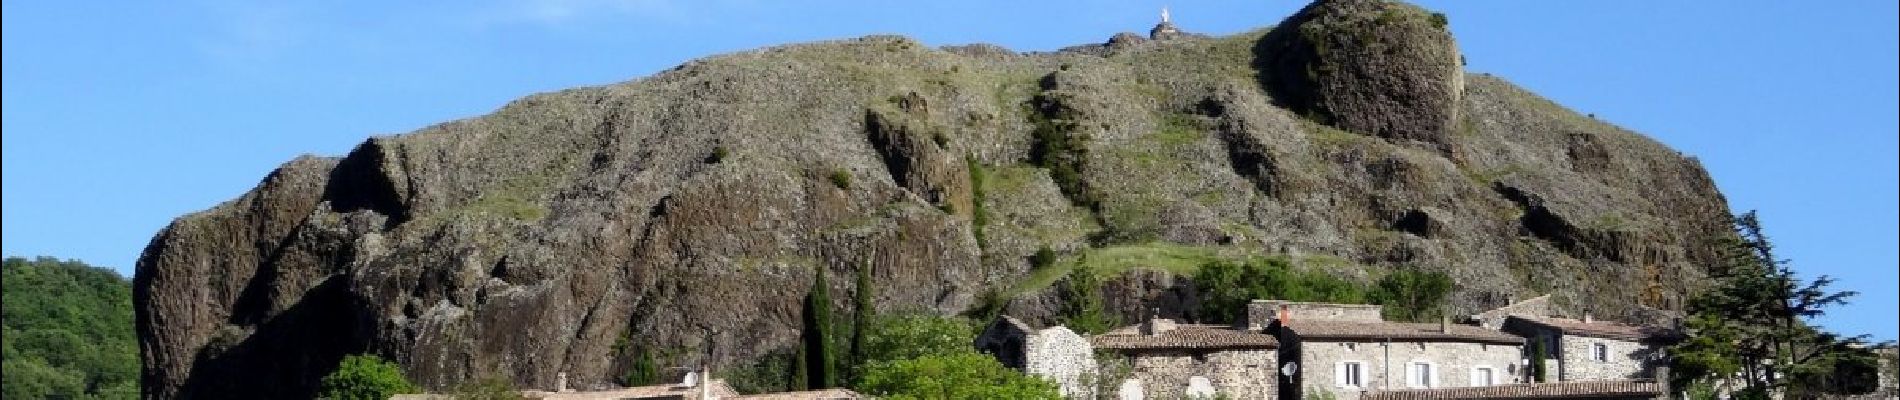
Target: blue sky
x,y
121,116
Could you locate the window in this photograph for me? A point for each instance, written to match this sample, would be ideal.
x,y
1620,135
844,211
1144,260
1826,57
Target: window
x,y
1422,374
1350,374
1599,352
1483,376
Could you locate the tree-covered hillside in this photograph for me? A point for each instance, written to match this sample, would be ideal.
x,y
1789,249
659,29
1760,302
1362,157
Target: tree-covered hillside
x,y
67,332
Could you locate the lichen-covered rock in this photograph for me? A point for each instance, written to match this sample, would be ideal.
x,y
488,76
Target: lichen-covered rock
x,y
1376,67
688,211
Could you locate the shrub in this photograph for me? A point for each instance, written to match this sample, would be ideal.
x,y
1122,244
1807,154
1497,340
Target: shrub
x,y
1411,295
1084,312
1439,21
965,375
364,377
841,179
979,216
644,370
1226,287
1043,258
718,154
913,335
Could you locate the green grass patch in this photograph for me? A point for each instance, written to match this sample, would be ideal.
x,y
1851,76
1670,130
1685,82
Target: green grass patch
x,y
1114,260
1179,130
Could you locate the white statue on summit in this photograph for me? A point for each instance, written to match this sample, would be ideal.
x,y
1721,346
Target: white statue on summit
x,y
1164,14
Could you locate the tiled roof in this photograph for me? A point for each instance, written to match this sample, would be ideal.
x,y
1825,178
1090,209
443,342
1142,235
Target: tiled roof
x,y
826,394
718,388
1602,329
1184,337
1551,390
1403,331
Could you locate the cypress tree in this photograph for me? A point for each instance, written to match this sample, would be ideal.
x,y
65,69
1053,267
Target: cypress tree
x,y
644,371
820,364
799,379
860,320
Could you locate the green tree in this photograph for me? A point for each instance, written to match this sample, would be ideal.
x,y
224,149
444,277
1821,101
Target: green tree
x,y
1085,310
364,377
820,363
913,335
800,370
66,328
862,313
1411,294
1539,371
1227,286
965,375
644,371
1754,322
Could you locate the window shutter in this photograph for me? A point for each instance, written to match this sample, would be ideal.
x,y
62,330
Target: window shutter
x,y
1339,374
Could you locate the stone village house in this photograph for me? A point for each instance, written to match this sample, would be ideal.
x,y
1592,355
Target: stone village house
x,y
1289,350
1592,350
1054,353
1169,360
1165,359
1347,349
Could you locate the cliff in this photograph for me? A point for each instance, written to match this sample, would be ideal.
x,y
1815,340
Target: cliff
x,y
688,210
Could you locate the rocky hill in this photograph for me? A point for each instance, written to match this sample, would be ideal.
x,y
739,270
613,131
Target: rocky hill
x,y
688,210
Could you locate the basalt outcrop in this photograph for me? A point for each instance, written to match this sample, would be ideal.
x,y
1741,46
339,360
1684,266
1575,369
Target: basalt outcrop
x,y
688,211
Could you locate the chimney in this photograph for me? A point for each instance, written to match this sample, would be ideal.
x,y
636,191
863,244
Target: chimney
x,y
1444,324
1587,319
1157,325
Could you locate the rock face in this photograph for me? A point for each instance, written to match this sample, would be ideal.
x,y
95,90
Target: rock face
x,y
1378,67
688,211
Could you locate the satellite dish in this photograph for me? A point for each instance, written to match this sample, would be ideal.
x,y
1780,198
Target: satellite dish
x,y
1290,368
692,379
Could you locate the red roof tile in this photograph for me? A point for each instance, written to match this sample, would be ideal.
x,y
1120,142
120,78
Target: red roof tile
x,y
1185,337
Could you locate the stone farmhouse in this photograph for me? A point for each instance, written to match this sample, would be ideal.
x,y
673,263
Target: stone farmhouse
x,y
1346,354
1169,360
1291,350
1054,353
1591,350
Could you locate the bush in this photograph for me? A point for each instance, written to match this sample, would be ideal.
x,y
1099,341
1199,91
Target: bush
x,y
1043,258
364,377
718,154
841,179
964,375
1412,295
906,336
1085,311
1226,287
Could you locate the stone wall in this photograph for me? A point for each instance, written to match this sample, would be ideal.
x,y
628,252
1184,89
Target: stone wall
x,y
1236,374
1454,364
1494,319
1261,313
1060,355
1243,374
1627,359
